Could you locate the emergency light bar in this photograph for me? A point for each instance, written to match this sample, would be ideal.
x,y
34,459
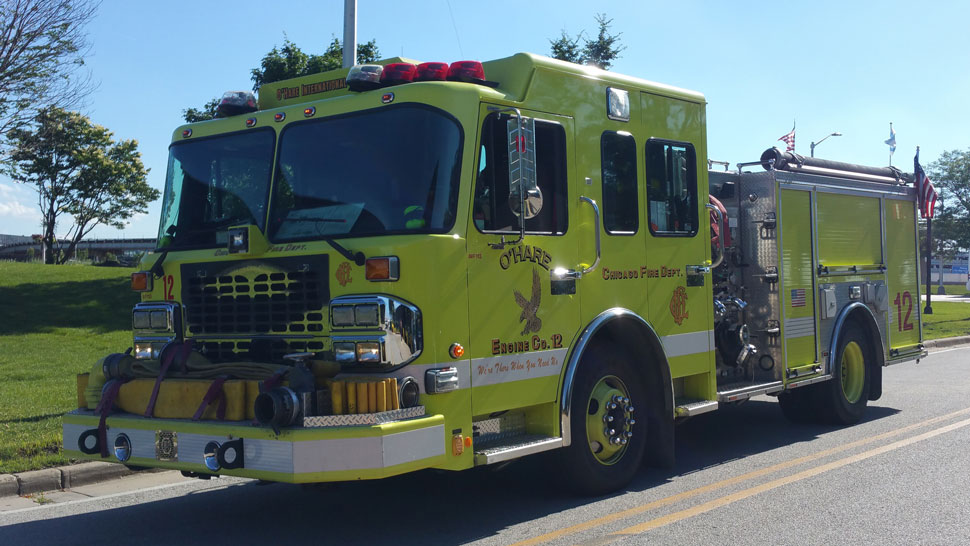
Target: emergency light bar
x,y
365,77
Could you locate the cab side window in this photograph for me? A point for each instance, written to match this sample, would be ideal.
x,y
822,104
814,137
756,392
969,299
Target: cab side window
x,y
491,208
671,188
618,163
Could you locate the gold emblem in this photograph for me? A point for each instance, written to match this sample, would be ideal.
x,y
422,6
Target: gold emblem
x,y
530,307
343,274
678,305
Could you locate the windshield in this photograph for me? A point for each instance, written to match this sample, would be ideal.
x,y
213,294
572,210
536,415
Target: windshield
x,y
214,183
390,170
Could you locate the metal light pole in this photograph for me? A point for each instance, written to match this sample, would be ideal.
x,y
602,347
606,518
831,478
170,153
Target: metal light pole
x,y
814,144
350,33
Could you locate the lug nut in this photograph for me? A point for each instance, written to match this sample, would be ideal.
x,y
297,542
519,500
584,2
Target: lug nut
x,y
607,418
629,434
631,421
612,432
628,409
611,406
623,441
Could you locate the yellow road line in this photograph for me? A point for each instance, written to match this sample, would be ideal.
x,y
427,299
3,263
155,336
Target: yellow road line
x,y
597,522
740,495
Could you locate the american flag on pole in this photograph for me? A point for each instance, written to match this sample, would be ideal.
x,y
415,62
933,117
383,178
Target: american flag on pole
x,y
789,139
925,191
798,297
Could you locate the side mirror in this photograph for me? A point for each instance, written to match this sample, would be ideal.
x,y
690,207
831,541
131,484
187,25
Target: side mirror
x,y
525,197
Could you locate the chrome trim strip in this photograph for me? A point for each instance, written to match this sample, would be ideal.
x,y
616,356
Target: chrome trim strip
x,y
750,391
579,348
810,381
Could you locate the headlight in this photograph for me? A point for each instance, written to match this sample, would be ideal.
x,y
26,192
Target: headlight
x,y
388,330
154,325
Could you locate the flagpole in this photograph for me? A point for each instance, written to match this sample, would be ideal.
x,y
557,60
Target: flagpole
x,y
928,310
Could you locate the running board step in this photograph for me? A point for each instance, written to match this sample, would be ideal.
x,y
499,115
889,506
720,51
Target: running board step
x,y
734,393
688,407
513,449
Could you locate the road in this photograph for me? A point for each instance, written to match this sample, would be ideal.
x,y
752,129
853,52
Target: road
x,y
743,474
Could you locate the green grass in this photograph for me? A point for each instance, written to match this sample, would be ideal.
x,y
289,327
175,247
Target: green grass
x,y
55,322
948,319
953,289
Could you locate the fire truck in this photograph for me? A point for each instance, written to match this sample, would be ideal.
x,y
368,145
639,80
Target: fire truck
x,y
401,266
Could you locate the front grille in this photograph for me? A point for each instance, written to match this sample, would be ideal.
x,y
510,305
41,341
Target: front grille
x,y
282,296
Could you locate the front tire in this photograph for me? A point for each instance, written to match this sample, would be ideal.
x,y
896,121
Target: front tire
x,y
608,441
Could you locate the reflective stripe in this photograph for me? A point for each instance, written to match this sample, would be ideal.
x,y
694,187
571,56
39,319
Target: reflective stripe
x,y
691,343
799,327
494,370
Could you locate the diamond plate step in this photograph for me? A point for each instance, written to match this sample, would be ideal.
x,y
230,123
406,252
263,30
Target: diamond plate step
x,y
515,448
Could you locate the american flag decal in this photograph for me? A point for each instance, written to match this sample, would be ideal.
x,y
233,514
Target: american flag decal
x,y
798,297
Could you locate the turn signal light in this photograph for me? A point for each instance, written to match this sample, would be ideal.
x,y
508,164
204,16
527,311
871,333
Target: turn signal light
x,y
141,281
384,268
456,350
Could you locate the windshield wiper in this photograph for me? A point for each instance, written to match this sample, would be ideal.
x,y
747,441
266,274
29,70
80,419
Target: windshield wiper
x,y
357,258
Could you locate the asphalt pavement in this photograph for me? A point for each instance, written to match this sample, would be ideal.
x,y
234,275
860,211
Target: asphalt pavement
x,y
742,474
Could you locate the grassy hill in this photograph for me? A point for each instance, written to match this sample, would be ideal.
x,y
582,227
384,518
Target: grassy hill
x,y
55,322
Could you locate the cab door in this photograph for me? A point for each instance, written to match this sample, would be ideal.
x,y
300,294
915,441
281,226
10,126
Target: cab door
x,y
678,253
519,330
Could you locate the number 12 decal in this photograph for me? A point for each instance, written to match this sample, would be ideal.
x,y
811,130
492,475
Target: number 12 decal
x,y
169,286
903,300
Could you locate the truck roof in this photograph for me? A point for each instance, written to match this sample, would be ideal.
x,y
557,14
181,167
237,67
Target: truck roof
x,y
517,76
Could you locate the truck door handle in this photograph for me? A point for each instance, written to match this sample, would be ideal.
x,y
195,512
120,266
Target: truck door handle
x,y
561,273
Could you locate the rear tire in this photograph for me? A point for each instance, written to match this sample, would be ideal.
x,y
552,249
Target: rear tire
x,y
843,399
608,441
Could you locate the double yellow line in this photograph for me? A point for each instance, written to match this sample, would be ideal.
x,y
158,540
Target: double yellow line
x,y
751,491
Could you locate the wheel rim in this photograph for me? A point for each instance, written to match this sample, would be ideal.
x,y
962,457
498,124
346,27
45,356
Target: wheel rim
x,y
853,371
609,420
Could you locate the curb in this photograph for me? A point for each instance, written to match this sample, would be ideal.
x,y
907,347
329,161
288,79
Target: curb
x,y
65,477
946,342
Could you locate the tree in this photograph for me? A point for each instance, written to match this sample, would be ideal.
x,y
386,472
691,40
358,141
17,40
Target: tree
x,y
42,48
600,52
77,169
290,61
951,176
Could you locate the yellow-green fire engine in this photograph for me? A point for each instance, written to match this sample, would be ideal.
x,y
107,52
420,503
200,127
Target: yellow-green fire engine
x,y
403,266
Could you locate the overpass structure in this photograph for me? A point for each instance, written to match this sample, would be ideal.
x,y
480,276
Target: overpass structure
x,y
15,247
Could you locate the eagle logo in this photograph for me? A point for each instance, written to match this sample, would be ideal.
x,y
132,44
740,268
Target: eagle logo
x,y
530,307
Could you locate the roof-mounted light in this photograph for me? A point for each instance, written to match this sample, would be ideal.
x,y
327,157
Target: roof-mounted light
x,y
364,77
234,103
398,73
467,71
427,72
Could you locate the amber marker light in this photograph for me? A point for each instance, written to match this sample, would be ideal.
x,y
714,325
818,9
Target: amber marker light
x,y
456,350
187,133
141,281
309,111
251,122
383,268
279,116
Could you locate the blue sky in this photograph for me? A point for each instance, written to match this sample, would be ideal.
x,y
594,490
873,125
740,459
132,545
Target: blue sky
x,y
844,66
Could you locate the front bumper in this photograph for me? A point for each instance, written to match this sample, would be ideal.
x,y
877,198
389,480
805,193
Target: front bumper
x,y
297,455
